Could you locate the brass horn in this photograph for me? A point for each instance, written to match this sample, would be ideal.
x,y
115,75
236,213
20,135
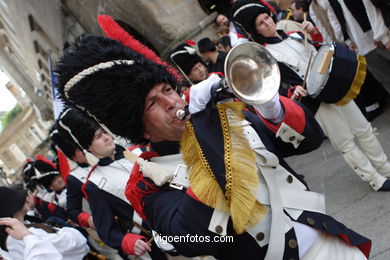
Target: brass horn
x,y
252,73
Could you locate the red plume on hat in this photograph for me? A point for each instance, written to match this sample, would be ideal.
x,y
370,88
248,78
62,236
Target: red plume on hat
x,y
269,6
44,159
190,42
63,165
114,31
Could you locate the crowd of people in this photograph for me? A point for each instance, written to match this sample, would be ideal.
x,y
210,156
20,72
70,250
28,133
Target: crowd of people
x,y
202,163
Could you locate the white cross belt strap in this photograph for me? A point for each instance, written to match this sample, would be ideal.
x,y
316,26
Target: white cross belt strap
x,y
175,164
113,178
276,237
278,188
61,198
46,196
80,173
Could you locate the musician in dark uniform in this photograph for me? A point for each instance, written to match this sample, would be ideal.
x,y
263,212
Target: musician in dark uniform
x,y
114,218
78,166
341,124
48,189
185,57
236,172
75,178
41,207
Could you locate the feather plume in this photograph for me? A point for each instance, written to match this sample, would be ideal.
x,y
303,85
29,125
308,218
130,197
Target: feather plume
x,y
190,42
114,31
44,159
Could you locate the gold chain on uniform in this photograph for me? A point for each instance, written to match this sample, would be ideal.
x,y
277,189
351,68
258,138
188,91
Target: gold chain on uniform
x,y
228,152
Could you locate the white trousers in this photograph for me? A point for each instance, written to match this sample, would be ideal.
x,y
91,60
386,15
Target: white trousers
x,y
331,247
341,124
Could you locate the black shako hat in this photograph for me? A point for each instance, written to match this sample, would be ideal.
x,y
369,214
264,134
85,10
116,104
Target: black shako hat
x,y
245,12
11,201
63,143
206,44
27,173
110,81
44,173
185,57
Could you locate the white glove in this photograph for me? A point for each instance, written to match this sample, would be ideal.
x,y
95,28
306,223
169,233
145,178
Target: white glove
x,y
272,110
200,94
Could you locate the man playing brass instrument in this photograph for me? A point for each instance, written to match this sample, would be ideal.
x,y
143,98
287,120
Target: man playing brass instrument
x,y
230,177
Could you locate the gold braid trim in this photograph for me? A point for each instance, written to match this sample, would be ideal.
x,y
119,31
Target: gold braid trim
x,y
228,151
241,170
357,82
201,178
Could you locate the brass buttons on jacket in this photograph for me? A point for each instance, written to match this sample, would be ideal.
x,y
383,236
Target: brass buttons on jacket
x,y
310,221
325,225
290,179
260,236
292,243
218,229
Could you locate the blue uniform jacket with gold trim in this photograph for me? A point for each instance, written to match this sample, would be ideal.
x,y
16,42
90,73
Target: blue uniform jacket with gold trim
x,y
180,213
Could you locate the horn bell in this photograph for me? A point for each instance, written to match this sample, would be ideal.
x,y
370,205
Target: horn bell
x,y
252,73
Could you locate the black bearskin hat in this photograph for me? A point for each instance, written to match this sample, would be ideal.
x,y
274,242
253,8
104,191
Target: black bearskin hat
x,y
185,57
63,143
74,123
114,88
245,13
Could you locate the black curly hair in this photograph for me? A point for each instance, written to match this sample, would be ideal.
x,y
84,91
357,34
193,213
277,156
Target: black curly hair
x,y
115,95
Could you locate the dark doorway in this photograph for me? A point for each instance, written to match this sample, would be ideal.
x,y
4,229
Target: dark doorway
x,y
133,32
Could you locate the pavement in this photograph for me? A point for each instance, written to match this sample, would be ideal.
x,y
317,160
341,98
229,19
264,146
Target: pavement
x,y
348,198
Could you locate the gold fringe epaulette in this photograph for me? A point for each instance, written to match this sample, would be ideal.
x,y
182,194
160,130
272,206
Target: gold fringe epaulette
x,y
240,168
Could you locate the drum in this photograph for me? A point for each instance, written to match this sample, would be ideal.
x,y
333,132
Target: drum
x,y
336,74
